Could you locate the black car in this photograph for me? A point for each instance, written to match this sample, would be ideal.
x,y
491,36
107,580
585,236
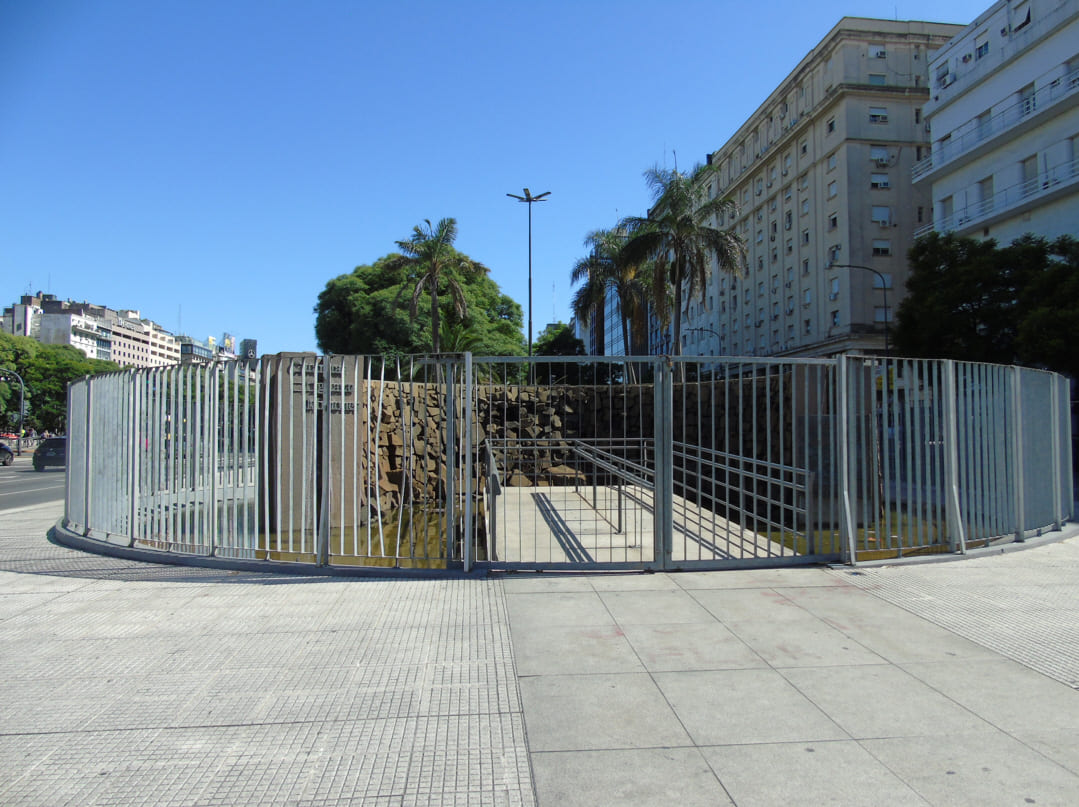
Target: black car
x,y
52,451
7,456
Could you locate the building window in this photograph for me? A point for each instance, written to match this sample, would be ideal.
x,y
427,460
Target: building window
x,y
804,147
877,52
790,246
879,154
835,318
833,292
886,283
807,296
882,214
1028,101
1020,16
830,126
805,236
833,221
921,214
832,161
877,79
981,46
881,247
917,114
805,266
878,114
880,314
878,181
787,218
833,189
805,207
808,327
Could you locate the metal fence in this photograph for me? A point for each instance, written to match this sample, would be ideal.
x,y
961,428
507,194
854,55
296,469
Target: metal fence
x,y
581,463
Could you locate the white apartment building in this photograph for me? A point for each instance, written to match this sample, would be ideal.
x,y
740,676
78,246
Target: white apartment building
x,y
78,329
821,177
1004,113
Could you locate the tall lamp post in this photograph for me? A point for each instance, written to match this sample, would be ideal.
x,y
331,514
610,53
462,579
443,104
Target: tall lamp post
x,y
4,373
884,288
528,199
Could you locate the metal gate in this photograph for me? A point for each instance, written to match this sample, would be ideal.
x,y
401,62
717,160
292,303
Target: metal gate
x,y
652,463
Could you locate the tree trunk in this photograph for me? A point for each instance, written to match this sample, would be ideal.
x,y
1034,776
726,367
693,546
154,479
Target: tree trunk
x,y
434,315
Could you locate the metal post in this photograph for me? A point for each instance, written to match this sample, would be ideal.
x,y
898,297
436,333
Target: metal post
x,y
1058,520
956,533
451,458
845,437
1017,452
663,517
469,482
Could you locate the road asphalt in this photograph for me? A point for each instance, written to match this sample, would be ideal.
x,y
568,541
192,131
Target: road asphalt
x,y
947,683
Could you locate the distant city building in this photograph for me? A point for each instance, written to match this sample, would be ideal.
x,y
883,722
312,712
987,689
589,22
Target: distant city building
x,y
122,336
820,174
1004,114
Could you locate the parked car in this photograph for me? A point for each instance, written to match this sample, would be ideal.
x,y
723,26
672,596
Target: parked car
x,y
7,456
52,451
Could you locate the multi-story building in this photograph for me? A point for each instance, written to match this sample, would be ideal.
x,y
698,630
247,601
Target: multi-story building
x,y
820,174
1004,114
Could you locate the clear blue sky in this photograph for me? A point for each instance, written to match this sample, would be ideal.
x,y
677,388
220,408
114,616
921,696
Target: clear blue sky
x,y
214,162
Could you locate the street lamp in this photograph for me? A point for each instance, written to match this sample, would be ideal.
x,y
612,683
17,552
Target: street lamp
x,y
528,199
884,288
4,373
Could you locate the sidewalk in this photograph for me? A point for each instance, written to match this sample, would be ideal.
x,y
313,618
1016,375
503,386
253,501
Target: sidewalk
x,y
136,684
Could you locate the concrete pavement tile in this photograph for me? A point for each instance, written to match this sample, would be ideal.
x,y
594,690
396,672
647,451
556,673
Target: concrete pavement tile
x,y
779,775
546,582
759,578
649,777
1004,692
882,701
981,769
690,646
570,650
889,631
654,607
635,582
580,712
740,605
744,706
802,642
527,611
1060,745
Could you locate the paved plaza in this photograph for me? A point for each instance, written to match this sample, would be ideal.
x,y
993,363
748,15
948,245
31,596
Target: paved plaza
x,y
927,684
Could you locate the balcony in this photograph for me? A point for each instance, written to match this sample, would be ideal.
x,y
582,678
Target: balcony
x,y
1010,201
975,132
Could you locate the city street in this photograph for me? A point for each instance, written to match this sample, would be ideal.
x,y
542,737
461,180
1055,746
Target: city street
x,y
22,486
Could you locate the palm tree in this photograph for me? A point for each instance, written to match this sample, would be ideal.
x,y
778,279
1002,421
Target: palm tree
x,y
431,261
607,267
678,235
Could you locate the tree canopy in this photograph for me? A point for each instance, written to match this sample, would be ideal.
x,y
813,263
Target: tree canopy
x,y
46,371
368,310
972,300
680,237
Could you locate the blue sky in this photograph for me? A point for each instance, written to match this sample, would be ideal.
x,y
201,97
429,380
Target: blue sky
x,y
214,162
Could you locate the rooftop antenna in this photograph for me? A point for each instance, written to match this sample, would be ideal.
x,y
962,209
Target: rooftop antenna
x,y
675,153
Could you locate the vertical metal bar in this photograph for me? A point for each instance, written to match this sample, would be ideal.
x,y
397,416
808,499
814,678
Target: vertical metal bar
x,y
663,407
469,482
1017,444
847,534
1054,456
956,533
451,458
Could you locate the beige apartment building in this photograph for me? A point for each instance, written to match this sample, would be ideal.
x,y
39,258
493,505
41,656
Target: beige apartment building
x,y
821,175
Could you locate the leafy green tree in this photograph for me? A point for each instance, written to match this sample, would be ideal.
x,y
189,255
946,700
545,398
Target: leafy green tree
x,y
679,236
972,300
607,267
46,371
1051,311
433,265
365,312
558,339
